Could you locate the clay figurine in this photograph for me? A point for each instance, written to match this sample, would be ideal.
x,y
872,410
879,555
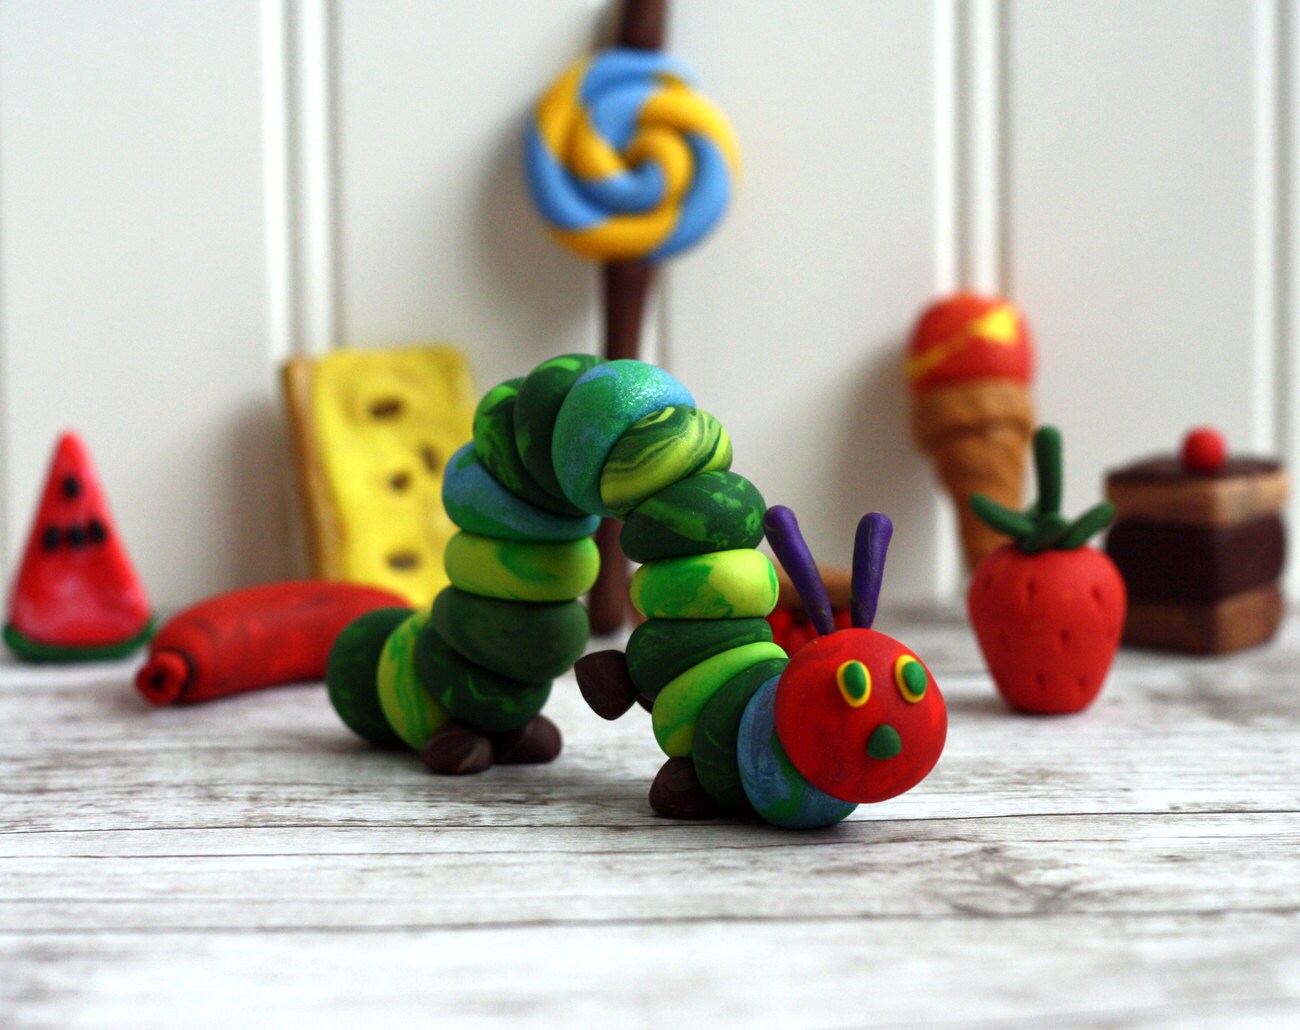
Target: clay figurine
x,y
77,596
1200,542
853,717
1047,609
969,364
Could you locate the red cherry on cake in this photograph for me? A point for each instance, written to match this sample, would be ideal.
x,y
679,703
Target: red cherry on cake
x,y
1204,450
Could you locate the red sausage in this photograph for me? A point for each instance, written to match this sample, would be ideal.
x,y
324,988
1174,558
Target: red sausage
x,y
247,639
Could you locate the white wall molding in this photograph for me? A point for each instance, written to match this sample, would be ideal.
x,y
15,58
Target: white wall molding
x,y
982,107
1288,260
1267,339
312,59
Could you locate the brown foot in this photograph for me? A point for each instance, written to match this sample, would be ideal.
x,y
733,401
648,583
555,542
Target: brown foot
x,y
676,792
457,750
535,743
605,684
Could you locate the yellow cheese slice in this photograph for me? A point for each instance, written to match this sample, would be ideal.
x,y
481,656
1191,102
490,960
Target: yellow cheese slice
x,y
383,425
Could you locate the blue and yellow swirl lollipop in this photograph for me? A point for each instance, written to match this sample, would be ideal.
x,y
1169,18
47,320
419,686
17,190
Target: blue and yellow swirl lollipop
x,y
626,161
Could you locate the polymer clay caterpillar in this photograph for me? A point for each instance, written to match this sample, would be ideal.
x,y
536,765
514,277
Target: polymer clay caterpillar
x,y
576,439
853,717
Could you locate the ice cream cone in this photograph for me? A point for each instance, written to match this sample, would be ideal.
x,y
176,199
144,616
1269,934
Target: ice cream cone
x,y
969,365
978,435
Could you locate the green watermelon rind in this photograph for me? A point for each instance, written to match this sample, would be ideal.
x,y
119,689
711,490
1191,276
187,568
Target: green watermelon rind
x,y
35,651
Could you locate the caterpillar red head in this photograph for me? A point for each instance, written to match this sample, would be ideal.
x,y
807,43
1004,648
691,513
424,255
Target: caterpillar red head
x,y
856,713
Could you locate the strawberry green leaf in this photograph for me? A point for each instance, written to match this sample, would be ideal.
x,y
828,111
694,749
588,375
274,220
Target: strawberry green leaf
x,y
1091,521
1004,520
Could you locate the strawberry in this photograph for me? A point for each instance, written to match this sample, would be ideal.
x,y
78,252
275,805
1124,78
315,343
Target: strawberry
x,y
1047,609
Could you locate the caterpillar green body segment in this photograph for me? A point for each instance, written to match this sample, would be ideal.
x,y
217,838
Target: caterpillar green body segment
x,y
722,585
602,405
494,441
552,452
538,405
679,704
351,670
478,503
413,714
471,693
658,451
518,570
661,649
712,511
531,642
713,749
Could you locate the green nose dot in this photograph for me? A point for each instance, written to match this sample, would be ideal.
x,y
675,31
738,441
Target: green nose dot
x,y
885,742
914,678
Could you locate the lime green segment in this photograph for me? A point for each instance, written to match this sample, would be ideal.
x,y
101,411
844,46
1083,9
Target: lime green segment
x,y
735,584
659,450
678,706
520,570
351,669
661,649
413,714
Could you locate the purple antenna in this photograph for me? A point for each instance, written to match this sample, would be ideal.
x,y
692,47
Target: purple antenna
x,y
869,549
782,530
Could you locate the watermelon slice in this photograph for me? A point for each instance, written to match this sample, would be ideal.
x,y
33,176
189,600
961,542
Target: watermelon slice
x,y
77,596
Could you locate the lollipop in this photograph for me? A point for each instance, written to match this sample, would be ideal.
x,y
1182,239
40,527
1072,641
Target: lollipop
x,y
968,367
626,161
627,164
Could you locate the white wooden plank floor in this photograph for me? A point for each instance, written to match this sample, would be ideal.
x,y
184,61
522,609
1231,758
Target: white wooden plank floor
x,y
246,861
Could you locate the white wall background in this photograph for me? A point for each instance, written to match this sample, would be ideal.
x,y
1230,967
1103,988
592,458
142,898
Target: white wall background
x,y
191,192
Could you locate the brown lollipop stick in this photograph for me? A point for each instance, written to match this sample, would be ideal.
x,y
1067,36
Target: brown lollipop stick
x,y
624,287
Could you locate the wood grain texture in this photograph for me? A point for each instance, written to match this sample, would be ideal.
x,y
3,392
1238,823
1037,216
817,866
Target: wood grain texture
x,y
1133,865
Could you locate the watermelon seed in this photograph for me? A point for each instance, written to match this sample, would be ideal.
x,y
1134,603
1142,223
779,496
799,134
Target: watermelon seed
x,y
96,531
50,539
76,537
71,487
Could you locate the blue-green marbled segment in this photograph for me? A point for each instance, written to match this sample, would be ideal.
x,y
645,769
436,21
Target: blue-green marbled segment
x,y
476,501
775,788
599,408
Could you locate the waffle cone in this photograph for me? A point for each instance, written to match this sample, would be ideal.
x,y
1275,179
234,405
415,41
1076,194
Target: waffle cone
x,y
977,434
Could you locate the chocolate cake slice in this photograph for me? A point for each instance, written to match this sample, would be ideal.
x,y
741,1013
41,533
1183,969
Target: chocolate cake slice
x,y
1200,542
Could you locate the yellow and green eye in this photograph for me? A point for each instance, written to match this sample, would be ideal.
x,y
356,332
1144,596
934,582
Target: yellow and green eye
x,y
855,682
911,678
